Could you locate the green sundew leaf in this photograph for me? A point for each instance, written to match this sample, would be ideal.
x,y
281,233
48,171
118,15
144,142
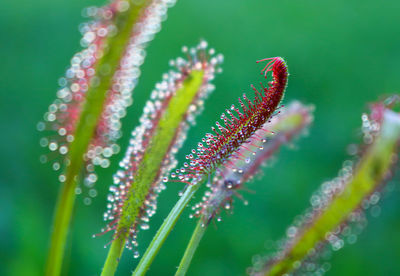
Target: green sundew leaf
x,y
148,170
97,93
158,149
85,129
372,169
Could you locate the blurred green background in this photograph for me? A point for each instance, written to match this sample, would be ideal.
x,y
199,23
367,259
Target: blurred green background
x,y
341,55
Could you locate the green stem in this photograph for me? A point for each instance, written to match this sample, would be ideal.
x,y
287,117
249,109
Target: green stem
x,y
113,257
62,219
85,130
191,248
164,230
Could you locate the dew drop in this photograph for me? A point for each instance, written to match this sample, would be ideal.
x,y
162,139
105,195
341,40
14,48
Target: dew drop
x,y
40,126
78,190
43,159
92,193
44,142
291,231
56,166
53,146
61,178
144,226
87,201
63,150
62,131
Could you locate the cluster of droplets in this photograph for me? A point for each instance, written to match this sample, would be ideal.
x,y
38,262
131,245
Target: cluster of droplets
x,y
348,230
306,267
198,58
226,182
258,150
317,260
64,113
222,147
219,197
127,75
370,128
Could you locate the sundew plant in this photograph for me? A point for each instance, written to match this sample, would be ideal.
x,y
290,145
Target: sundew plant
x,y
203,138
94,96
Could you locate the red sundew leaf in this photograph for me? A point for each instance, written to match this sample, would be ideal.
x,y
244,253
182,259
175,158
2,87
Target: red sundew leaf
x,y
284,127
218,151
238,127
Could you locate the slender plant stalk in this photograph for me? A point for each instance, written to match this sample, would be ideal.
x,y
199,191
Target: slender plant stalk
x,y
114,255
164,230
370,172
85,129
60,228
191,248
